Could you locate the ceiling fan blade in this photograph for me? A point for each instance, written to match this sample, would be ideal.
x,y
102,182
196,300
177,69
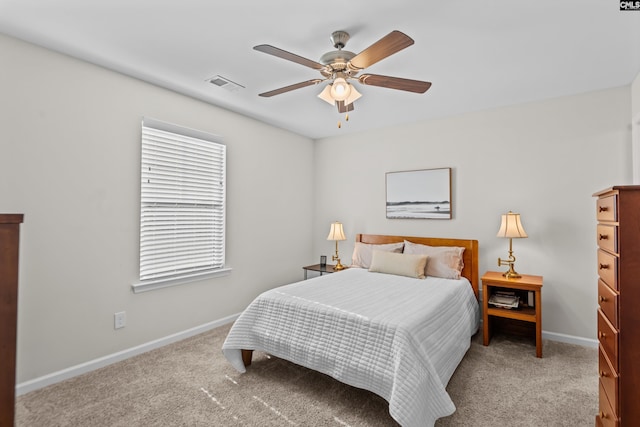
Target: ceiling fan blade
x,y
409,85
393,42
271,50
344,108
290,88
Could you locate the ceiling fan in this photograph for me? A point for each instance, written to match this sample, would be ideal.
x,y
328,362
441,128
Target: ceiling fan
x,y
341,66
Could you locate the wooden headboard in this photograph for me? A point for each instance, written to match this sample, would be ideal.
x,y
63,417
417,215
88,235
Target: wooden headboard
x,y
469,257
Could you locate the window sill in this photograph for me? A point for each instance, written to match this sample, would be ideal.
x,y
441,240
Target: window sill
x,y
152,285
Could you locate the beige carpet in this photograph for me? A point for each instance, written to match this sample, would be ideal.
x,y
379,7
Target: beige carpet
x,y
190,384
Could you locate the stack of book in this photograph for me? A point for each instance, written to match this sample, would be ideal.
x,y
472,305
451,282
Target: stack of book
x,y
504,299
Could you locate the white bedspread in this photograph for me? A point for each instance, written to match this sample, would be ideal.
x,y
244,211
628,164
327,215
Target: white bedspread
x,y
398,337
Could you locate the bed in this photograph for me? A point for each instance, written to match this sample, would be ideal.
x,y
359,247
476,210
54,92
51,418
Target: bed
x,y
375,326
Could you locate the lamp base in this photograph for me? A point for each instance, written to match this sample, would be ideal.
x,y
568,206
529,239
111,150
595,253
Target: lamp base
x,y
338,266
511,273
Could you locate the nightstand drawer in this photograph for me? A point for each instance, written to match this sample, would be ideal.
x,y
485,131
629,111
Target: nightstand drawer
x,y
607,236
608,268
608,379
608,337
606,209
608,301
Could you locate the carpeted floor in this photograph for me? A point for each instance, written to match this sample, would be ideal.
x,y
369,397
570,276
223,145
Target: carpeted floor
x,y
189,383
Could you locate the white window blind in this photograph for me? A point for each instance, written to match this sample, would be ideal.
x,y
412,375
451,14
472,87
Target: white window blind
x,y
182,210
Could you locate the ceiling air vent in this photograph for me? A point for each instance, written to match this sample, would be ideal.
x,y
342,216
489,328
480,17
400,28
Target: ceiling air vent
x,y
225,83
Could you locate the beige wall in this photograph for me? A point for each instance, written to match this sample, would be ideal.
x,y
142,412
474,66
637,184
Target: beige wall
x,y
543,160
635,97
70,155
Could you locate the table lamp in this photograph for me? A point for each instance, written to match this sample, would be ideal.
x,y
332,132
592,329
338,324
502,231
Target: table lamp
x,y
511,227
336,233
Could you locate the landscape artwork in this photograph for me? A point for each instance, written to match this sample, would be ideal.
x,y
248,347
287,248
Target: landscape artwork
x,y
423,194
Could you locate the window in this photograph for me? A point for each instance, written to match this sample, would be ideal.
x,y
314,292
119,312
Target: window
x,y
182,205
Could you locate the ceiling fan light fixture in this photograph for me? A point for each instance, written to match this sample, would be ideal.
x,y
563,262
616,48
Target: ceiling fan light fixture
x,y
340,89
325,95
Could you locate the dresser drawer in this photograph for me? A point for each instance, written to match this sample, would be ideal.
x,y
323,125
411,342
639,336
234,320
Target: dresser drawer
x,y
608,237
608,302
608,337
608,380
608,268
606,208
606,416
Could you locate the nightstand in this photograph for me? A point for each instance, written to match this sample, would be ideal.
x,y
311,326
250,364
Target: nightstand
x,y
326,269
494,281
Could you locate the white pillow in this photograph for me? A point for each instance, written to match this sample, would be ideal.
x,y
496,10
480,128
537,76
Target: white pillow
x,y
363,251
444,261
399,264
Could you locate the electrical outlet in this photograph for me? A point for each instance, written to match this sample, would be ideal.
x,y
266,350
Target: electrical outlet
x,y
119,320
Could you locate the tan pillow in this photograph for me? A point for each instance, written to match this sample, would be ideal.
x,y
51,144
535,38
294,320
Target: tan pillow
x,y
363,251
398,264
444,261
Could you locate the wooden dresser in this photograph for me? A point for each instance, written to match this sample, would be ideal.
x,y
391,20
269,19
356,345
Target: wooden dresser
x,y
618,236
9,240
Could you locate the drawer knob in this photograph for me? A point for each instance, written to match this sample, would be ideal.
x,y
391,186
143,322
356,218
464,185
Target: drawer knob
x,y
601,334
603,236
603,416
601,299
602,208
604,266
603,374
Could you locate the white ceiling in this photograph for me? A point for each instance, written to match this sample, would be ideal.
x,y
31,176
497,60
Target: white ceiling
x,y
478,54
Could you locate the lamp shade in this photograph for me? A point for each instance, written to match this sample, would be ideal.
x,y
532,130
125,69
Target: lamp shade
x,y
511,227
336,232
352,96
325,95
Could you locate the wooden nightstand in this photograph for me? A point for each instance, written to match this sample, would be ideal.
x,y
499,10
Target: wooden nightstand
x,y
327,269
493,281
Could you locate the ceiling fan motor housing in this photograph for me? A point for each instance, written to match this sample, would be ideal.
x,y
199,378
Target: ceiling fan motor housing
x,y
336,60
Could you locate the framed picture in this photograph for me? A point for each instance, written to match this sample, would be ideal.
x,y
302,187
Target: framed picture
x,y
421,194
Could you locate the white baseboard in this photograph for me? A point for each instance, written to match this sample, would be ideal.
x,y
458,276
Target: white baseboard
x,y
570,339
55,377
